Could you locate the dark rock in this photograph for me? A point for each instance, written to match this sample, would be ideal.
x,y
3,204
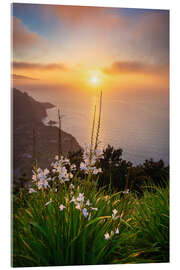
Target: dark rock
x,y
27,116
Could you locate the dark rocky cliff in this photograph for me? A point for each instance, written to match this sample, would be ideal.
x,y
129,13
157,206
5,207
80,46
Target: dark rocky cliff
x,y
27,115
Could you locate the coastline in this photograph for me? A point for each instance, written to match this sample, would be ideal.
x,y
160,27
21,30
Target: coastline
x,y
27,119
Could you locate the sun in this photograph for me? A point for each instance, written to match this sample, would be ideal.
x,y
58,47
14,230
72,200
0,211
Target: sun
x,y
94,80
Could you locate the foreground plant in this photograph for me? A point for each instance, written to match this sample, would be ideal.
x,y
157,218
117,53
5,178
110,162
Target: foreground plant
x,y
71,226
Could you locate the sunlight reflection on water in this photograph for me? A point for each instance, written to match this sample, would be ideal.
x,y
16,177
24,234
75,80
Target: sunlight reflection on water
x,y
139,127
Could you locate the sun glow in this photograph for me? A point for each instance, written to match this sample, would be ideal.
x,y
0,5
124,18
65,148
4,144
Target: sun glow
x,y
94,80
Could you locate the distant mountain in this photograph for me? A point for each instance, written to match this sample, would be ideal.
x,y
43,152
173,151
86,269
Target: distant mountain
x,y
27,115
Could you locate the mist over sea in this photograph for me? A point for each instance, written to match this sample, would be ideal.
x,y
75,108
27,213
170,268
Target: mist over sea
x,y
137,122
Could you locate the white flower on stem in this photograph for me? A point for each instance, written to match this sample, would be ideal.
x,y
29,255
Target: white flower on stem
x,y
80,197
114,213
78,206
61,207
34,178
89,160
42,183
71,186
48,202
31,190
126,191
106,236
94,208
72,200
88,202
70,175
82,166
56,157
73,167
46,171
117,231
85,212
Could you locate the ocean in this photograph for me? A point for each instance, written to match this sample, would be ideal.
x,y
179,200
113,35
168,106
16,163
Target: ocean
x,y
135,121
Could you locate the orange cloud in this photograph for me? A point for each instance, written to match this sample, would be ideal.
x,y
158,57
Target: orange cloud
x,y
23,38
21,77
86,16
38,66
133,67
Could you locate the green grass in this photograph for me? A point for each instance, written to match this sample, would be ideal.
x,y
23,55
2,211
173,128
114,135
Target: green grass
x,y
45,236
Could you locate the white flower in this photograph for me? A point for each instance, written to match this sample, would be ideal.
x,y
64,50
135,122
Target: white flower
x,y
85,212
80,197
78,206
106,236
42,183
34,177
73,167
114,213
71,186
46,171
117,231
56,157
88,202
61,207
48,202
99,170
93,208
82,166
72,200
31,190
126,191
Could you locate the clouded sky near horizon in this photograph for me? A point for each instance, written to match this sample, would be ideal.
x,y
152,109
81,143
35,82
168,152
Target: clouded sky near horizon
x,y
68,45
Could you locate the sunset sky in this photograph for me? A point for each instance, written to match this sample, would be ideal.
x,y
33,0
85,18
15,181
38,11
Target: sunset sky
x,y
90,47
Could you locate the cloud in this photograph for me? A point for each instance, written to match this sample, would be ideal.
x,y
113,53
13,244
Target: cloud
x,y
38,66
133,67
151,35
81,16
21,77
23,37
141,32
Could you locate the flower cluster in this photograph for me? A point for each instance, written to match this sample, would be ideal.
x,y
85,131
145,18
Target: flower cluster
x,y
89,160
83,205
40,178
107,236
59,168
114,214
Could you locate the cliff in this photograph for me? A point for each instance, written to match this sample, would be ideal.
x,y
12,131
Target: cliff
x,y
27,115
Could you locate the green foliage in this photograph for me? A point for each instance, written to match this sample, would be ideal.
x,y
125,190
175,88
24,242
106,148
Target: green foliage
x,y
121,174
43,235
